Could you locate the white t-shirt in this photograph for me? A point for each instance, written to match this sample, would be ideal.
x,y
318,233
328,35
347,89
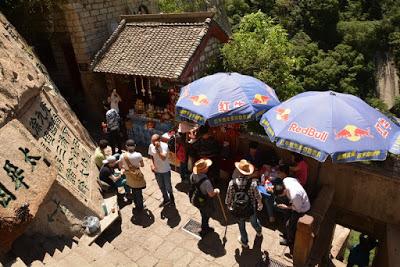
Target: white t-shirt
x,y
162,166
297,195
135,158
114,101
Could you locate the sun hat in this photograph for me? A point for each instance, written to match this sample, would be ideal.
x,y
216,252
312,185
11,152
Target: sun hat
x,y
201,165
244,167
109,159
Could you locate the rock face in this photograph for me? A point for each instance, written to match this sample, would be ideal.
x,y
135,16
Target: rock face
x,y
48,179
387,79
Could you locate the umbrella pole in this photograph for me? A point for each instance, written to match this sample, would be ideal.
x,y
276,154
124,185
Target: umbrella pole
x,y
226,220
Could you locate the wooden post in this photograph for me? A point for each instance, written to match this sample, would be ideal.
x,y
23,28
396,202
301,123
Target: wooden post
x,y
304,241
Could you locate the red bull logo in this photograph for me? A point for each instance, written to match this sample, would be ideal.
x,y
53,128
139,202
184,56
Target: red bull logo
x,y
199,100
282,114
261,99
309,132
353,133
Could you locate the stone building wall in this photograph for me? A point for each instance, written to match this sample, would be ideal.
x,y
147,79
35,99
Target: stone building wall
x,y
208,55
90,23
45,153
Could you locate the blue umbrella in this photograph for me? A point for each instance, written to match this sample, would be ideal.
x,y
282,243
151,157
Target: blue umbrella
x,y
318,124
224,98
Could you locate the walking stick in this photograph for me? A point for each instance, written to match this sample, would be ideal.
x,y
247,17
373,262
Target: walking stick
x,y
226,219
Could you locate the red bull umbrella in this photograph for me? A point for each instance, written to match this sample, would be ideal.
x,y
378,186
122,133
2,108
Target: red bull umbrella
x,y
319,124
225,98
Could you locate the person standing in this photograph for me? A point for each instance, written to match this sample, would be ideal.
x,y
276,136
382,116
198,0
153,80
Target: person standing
x,y
203,193
242,199
131,162
182,157
300,169
101,153
298,205
114,138
161,168
114,100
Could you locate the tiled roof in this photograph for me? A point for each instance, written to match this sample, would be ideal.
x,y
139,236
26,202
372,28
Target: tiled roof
x,y
151,48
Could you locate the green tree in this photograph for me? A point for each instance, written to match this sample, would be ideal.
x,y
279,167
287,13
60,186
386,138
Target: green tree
x,y
261,48
178,6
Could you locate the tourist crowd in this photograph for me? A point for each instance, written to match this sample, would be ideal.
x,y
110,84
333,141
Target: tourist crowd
x,y
255,185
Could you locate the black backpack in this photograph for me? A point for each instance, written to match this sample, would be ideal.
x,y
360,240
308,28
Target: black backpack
x,y
242,207
196,197
171,144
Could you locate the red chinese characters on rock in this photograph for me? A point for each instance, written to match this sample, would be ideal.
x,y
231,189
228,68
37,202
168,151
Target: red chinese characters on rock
x,y
382,126
309,132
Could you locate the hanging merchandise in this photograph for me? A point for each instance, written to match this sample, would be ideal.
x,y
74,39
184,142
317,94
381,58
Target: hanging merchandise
x,y
150,93
143,90
136,89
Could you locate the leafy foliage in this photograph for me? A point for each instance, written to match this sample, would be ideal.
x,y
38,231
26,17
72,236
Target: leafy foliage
x,y
178,6
261,48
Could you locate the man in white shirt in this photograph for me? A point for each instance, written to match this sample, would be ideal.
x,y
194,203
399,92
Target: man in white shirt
x,y
298,205
161,168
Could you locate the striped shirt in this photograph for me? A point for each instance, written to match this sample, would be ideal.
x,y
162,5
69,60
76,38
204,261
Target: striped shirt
x,y
241,182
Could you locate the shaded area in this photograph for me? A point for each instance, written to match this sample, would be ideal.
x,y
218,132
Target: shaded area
x,y
170,213
211,244
144,218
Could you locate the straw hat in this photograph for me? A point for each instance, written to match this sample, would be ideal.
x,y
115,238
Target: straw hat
x,y
244,167
201,165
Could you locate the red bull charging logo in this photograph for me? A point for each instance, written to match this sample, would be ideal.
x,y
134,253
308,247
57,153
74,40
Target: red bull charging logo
x,y
199,100
261,99
282,114
353,133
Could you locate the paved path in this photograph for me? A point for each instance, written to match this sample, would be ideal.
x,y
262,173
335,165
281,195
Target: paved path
x,y
156,238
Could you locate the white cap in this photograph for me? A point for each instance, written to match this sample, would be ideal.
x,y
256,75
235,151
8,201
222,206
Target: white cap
x,y
109,159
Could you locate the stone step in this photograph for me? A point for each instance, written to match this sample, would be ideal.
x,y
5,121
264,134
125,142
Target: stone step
x,y
48,259
57,254
36,264
76,260
18,263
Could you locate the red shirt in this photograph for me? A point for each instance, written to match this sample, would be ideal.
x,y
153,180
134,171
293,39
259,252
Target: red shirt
x,y
302,173
180,152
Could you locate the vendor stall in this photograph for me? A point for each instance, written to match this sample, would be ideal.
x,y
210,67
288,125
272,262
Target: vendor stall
x,y
145,70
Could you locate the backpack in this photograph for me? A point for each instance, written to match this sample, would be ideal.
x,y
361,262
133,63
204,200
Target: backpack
x,y
171,144
242,207
196,197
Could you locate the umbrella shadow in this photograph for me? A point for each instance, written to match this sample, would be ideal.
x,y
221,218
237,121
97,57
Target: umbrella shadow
x,y
172,215
212,245
254,256
144,218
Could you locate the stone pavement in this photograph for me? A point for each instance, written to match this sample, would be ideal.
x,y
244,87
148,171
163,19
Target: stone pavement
x,y
156,238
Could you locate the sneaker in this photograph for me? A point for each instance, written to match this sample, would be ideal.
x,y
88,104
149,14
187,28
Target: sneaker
x,y
241,243
259,234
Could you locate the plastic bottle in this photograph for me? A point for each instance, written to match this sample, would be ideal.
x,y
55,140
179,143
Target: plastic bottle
x,y
104,206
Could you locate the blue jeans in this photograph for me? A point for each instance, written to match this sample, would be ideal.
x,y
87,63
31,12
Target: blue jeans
x,y
137,198
183,169
269,204
242,227
164,183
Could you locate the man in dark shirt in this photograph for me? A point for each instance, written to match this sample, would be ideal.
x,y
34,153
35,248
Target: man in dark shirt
x,y
110,176
208,147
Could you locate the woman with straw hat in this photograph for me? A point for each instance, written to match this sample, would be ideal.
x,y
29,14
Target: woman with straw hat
x,y
203,193
242,197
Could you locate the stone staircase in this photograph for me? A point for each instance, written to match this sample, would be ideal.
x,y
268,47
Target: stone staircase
x,y
73,255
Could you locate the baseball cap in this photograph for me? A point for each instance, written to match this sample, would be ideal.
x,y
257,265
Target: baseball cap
x,y
109,159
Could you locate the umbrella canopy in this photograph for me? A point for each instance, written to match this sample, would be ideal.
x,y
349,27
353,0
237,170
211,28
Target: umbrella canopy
x,y
224,98
318,124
